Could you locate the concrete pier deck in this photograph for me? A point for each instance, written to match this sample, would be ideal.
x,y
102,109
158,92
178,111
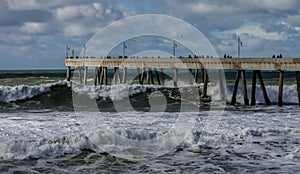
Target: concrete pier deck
x,y
275,64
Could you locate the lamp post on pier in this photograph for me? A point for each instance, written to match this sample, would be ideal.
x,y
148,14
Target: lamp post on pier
x,y
124,48
73,53
67,51
239,46
174,46
84,48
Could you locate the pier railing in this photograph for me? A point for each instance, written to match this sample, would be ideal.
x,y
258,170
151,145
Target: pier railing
x,y
275,64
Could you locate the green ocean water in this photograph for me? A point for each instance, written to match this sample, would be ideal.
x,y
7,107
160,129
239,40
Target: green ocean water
x,y
35,77
30,77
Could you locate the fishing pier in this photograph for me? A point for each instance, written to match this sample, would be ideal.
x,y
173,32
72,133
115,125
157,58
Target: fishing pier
x,y
146,67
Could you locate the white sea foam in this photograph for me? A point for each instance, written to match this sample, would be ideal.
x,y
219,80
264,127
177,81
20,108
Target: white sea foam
x,y
22,92
114,92
40,135
43,135
43,148
246,139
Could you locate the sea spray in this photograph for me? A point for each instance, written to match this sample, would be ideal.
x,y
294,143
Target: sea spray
x,y
289,94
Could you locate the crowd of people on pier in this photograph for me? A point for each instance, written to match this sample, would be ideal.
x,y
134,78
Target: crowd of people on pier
x,y
190,56
93,57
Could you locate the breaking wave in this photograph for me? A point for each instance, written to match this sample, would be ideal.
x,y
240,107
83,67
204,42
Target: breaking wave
x,y
118,92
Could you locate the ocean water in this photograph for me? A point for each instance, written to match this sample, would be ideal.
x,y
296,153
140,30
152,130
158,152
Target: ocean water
x,y
49,125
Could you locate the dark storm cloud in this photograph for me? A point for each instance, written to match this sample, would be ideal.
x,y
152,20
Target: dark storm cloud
x,y
29,26
10,17
229,11
16,17
264,25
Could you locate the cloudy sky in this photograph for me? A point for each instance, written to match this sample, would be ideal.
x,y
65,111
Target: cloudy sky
x,y
34,33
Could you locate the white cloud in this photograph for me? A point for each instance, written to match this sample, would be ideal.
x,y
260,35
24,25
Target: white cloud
x,y
252,31
22,5
67,13
89,11
238,9
85,19
293,20
278,4
15,39
257,31
22,38
36,28
78,30
35,4
203,8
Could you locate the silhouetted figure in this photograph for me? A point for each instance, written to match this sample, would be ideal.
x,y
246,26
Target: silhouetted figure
x,y
195,56
273,56
228,56
280,56
224,55
190,56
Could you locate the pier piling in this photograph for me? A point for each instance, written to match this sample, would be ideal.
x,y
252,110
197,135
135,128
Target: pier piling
x,y
124,75
151,77
253,91
175,78
79,74
202,73
196,75
96,76
263,88
139,75
190,76
143,76
68,73
101,75
85,76
148,76
235,88
280,92
157,76
205,84
298,85
246,100
162,75
222,88
105,75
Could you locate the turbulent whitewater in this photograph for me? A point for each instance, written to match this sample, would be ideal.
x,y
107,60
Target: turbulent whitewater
x,y
41,132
